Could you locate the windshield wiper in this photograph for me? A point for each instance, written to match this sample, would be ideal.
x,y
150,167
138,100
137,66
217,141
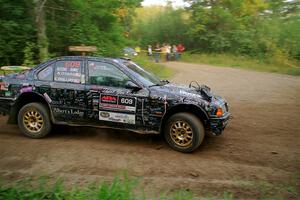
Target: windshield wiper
x,y
155,85
165,81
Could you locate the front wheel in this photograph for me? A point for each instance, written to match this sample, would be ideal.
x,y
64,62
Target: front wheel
x,y
184,132
34,120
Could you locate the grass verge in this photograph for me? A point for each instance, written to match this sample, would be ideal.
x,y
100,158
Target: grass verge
x,y
123,188
130,188
156,68
29,189
226,60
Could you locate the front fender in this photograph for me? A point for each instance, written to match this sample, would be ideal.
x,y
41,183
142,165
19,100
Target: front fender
x,y
191,108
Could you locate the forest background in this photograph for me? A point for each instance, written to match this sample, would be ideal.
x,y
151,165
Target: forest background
x,y
268,31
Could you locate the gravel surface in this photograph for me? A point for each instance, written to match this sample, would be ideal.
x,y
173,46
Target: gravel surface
x,y
257,156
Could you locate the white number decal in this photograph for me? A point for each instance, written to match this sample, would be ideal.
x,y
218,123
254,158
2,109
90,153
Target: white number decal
x,y
126,101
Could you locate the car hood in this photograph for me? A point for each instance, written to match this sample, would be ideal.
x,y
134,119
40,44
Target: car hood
x,y
174,91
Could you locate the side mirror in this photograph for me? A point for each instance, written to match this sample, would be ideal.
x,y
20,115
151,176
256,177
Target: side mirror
x,y
131,85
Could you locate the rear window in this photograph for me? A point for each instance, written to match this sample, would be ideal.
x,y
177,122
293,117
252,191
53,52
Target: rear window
x,y
46,74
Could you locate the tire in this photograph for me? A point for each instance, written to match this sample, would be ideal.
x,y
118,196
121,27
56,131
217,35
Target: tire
x,y
34,120
184,132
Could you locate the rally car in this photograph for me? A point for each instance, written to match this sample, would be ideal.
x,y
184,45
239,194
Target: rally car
x,y
110,93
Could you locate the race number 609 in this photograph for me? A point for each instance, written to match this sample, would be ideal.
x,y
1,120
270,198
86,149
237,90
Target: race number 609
x,y
126,101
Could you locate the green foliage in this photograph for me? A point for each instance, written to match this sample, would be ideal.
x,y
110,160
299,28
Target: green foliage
x,y
283,66
99,23
253,28
29,54
265,30
120,188
165,25
16,28
228,196
124,187
156,68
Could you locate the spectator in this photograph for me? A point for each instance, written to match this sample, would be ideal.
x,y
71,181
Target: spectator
x,y
168,52
157,51
163,51
150,54
180,49
174,51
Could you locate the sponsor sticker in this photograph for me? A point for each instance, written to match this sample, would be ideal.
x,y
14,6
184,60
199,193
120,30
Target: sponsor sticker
x,y
26,89
72,64
117,117
48,99
7,93
115,102
109,99
126,101
69,112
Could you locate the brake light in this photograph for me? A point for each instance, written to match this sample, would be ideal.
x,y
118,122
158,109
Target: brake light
x,y
219,112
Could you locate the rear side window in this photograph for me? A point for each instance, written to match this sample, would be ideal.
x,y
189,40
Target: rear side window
x,y
46,74
68,71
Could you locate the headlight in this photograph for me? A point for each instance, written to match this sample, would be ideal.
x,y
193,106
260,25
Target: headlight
x,y
219,112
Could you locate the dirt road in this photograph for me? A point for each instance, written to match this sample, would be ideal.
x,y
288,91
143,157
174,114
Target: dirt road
x,y
258,155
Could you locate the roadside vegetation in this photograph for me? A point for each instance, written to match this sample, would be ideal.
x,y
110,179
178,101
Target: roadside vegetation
x,y
291,67
263,35
263,30
124,187
156,68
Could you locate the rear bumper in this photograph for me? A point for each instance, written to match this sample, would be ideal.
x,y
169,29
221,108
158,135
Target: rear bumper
x,y
217,125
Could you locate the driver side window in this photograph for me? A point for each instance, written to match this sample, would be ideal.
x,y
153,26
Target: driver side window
x,y
106,74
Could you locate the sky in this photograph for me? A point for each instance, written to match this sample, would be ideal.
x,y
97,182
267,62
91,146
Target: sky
x,y
176,3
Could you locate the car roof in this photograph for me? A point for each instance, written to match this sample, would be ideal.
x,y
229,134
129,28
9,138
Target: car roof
x,y
94,58
88,57
82,58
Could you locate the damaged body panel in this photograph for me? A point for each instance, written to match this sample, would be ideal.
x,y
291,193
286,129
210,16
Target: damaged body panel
x,y
113,93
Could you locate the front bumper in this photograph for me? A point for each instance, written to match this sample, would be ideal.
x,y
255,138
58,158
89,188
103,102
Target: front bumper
x,y
217,125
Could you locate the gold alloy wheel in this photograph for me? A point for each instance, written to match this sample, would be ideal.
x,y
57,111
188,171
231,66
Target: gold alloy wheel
x,y
33,121
181,133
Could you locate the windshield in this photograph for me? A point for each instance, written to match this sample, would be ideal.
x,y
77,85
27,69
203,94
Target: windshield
x,y
145,77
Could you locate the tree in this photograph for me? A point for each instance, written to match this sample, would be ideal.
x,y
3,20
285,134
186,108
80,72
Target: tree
x,y
38,29
16,28
42,40
164,25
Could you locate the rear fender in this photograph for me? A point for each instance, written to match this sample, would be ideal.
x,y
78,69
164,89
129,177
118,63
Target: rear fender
x,y
23,99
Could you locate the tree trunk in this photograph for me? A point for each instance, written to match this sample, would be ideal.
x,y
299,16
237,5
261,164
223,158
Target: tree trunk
x,y
42,39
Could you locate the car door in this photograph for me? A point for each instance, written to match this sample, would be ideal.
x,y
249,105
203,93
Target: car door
x,y
109,102
64,90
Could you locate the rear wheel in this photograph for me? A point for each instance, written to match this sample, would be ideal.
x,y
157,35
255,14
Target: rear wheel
x,y
184,132
34,120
